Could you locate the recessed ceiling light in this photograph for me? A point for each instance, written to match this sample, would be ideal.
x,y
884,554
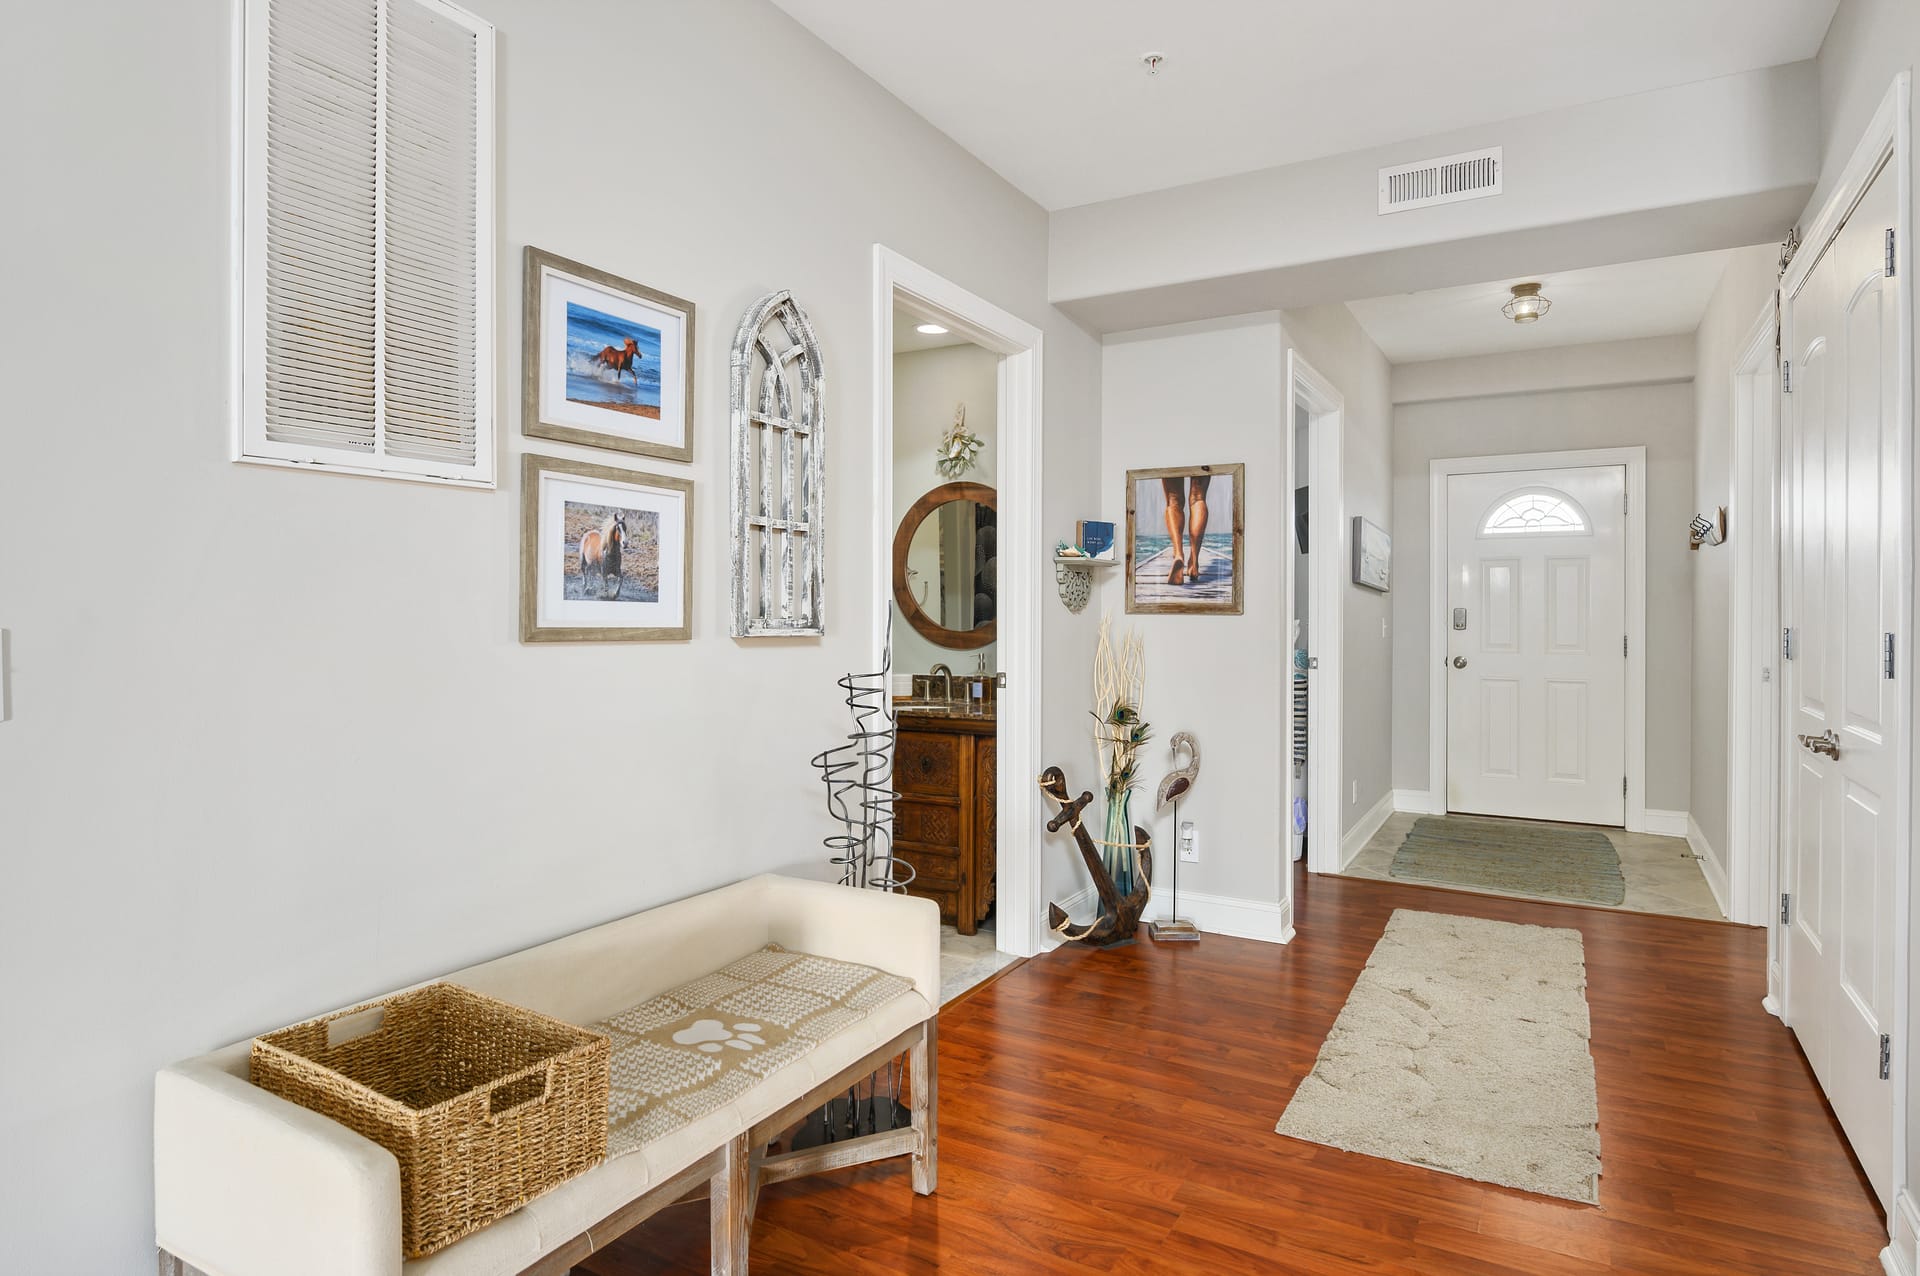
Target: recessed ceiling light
x,y
931,330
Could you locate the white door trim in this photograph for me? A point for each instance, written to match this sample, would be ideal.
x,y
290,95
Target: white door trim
x,y
1021,930
1326,563
1753,636
1634,459
1886,141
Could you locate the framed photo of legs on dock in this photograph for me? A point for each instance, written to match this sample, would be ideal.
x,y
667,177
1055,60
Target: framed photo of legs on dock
x,y
1186,540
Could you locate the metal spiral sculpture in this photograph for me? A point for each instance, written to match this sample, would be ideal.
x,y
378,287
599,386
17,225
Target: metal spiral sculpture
x,y
859,780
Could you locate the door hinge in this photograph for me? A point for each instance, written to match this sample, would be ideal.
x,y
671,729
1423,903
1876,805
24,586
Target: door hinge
x,y
1786,908
1886,655
1786,376
1626,502
1623,644
1890,257
1886,1056
1623,786
1786,643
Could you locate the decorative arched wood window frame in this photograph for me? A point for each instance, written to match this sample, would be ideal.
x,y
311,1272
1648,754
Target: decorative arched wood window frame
x,y
1536,511
779,473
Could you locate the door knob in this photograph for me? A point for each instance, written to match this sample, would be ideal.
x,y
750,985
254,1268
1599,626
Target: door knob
x,y
1459,662
1826,743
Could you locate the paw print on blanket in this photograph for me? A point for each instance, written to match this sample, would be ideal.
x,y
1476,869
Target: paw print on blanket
x,y
713,1036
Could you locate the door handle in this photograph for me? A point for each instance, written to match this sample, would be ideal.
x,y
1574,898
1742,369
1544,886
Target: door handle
x,y
1459,662
1826,743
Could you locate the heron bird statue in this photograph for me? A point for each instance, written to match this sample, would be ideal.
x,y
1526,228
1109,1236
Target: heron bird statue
x,y
1177,784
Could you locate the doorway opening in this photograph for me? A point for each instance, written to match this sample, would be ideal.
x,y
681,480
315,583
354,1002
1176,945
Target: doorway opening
x,y
1313,651
957,594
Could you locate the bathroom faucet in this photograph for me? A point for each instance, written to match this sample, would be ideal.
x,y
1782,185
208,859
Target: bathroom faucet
x,y
946,680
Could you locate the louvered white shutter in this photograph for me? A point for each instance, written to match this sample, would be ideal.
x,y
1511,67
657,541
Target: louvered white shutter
x,y
367,239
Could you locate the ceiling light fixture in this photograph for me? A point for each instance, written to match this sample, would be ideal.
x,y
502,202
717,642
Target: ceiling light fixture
x,y
1152,62
931,330
1527,304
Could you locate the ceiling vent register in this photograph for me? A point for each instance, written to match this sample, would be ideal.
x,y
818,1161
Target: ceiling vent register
x,y
1447,180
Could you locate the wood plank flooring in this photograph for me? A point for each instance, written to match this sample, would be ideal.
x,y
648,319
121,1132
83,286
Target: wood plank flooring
x,y
1114,1112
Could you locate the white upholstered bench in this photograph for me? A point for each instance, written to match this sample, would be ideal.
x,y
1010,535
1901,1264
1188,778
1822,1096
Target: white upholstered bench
x,y
247,1184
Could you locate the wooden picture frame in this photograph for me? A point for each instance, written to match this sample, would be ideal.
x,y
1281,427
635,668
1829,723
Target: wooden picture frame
x,y
1156,586
574,513
635,394
903,597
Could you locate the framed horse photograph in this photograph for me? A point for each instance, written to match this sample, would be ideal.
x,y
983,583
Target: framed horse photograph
x,y
606,555
608,362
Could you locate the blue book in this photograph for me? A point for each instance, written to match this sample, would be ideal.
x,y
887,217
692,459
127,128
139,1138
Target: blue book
x,y
1096,538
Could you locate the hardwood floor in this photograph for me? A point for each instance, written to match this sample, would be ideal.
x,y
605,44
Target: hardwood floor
x,y
1114,1112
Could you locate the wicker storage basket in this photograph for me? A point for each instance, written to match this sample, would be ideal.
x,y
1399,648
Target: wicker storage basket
x,y
485,1105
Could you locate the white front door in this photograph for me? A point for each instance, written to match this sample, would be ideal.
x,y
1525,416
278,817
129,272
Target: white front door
x,y
1536,663
1841,600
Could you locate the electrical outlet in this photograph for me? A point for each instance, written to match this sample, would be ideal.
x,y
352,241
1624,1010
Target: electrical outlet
x,y
1189,843
1354,798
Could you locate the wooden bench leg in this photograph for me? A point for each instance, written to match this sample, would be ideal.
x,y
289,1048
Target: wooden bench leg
x,y
730,1208
925,1081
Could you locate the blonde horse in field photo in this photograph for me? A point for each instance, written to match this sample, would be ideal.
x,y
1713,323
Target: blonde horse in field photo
x,y
600,554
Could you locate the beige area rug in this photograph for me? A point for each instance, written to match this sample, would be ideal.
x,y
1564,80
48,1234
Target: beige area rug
x,y
680,1055
1463,1047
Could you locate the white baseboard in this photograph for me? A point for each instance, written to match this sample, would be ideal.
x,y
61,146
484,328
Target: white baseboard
x,y
1775,999
1214,914
1710,866
1356,838
1223,915
1417,802
1901,1257
1665,823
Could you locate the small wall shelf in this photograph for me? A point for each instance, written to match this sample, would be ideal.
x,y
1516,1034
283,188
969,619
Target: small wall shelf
x,y
1073,573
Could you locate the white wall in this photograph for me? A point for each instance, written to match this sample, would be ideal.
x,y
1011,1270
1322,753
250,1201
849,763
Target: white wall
x,y
274,743
1204,394
1678,170
926,385
1214,392
1869,42
1640,361
1745,287
1660,417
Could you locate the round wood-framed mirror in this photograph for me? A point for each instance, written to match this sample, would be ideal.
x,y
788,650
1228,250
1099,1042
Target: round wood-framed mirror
x,y
945,565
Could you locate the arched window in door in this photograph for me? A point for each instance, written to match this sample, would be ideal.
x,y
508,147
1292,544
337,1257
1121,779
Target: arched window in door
x,y
1536,511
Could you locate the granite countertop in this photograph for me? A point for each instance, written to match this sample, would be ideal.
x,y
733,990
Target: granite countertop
x,y
923,712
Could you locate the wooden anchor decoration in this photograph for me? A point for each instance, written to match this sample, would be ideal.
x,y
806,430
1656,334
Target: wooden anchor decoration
x,y
1119,914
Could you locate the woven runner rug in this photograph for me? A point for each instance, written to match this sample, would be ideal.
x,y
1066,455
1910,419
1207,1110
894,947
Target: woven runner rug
x,y
1463,1047
1547,860
680,1055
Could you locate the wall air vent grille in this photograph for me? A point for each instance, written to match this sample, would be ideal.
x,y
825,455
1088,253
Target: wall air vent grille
x,y
1446,180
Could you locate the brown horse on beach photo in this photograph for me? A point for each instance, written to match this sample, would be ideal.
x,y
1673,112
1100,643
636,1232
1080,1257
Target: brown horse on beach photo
x,y
621,361
600,553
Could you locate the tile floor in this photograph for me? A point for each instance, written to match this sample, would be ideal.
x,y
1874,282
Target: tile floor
x,y
967,960
1663,875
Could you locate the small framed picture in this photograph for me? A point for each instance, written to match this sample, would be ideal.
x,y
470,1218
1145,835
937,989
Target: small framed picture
x,y
1185,540
1372,556
607,362
606,555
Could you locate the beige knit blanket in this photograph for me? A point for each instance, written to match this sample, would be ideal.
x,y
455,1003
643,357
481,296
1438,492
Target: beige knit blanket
x,y
680,1055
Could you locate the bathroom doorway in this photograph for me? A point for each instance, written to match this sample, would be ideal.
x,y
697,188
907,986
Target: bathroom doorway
x,y
958,576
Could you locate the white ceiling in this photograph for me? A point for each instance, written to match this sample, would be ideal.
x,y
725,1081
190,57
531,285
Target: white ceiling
x,y
1608,303
1052,95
